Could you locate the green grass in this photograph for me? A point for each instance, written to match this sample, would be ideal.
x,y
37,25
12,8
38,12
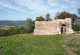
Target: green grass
x,y
72,43
27,44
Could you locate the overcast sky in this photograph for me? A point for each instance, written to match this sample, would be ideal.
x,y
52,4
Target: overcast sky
x,y
20,9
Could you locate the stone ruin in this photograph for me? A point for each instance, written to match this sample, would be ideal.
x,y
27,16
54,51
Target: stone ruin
x,y
58,26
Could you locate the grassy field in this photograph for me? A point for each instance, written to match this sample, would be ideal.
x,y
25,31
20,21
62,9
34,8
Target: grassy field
x,y
72,43
27,44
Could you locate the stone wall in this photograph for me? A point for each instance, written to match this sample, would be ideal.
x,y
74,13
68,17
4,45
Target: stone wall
x,y
52,27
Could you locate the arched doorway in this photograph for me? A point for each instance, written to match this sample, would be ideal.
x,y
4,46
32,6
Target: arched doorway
x,y
63,28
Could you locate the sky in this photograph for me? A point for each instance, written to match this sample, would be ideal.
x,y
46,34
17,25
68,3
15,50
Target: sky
x,y
23,9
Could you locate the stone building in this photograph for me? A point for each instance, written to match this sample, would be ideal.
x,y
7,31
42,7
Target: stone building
x,y
57,26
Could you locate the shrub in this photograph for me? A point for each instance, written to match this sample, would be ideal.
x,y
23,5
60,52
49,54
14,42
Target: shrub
x,y
12,31
3,32
76,27
40,18
29,26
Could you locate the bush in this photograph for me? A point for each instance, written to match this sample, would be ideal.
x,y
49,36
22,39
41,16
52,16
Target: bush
x,y
12,31
29,26
40,18
76,27
3,32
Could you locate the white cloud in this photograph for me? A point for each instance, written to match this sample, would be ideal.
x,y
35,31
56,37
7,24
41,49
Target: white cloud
x,y
53,2
38,7
70,1
31,4
7,5
67,0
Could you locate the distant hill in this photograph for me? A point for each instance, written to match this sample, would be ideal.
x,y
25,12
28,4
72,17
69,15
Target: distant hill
x,y
11,23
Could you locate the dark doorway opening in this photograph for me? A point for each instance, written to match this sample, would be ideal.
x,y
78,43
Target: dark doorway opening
x,y
63,28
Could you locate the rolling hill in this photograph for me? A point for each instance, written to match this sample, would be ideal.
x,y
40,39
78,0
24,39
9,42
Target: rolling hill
x,y
11,23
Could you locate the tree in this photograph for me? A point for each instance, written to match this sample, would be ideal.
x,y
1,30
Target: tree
x,y
77,25
63,15
48,17
74,18
40,18
79,10
29,25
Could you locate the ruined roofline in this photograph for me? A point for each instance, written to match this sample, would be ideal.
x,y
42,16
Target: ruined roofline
x,y
55,21
52,27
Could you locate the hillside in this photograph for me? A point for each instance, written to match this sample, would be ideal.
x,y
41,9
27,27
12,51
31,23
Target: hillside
x,y
72,44
10,23
27,44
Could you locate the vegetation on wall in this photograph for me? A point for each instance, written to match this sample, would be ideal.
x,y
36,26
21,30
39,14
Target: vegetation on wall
x,y
48,17
40,18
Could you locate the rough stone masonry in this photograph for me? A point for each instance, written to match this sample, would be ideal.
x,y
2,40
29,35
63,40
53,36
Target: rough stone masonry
x,y
57,26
